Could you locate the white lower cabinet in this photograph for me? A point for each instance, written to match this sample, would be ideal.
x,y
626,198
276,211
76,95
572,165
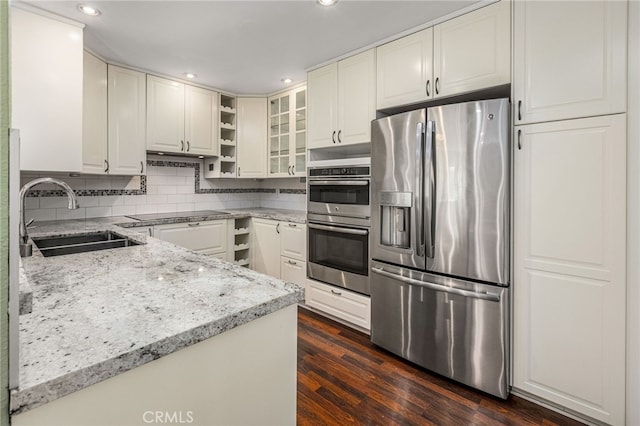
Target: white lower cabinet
x,y
207,237
569,264
279,249
340,303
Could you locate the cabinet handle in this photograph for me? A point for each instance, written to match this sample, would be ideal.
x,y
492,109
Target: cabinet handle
x,y
188,146
293,170
293,225
106,166
150,232
292,262
141,167
181,145
519,138
194,224
428,84
520,110
333,136
278,228
339,133
238,171
437,85
337,293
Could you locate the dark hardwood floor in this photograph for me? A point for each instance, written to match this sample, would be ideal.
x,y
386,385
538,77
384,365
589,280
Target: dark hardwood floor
x,y
343,379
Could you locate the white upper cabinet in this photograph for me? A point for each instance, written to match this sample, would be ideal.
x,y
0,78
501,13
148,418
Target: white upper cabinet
x,y
570,59
288,133
473,51
200,122
570,264
342,101
251,126
46,86
126,134
467,53
181,118
94,115
405,70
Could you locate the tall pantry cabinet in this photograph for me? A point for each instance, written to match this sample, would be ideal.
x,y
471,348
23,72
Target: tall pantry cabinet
x,y
569,205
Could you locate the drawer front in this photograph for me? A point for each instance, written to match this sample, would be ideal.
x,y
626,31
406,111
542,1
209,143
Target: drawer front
x,y
344,304
210,235
292,270
293,240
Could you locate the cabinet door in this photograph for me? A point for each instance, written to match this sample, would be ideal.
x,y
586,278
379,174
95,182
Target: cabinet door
x,y
208,236
569,282
340,303
404,70
570,59
473,51
293,271
252,138
280,130
201,121
322,86
356,98
265,247
293,240
46,91
165,115
127,148
298,146
94,115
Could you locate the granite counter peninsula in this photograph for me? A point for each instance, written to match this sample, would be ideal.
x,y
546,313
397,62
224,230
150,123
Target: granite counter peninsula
x,y
119,335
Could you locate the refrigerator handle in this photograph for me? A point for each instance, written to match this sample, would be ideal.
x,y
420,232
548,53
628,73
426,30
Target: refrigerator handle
x,y
419,199
429,190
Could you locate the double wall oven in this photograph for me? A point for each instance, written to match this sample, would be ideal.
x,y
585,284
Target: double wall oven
x,y
338,224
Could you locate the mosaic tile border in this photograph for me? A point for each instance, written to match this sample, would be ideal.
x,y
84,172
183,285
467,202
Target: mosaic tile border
x,y
143,186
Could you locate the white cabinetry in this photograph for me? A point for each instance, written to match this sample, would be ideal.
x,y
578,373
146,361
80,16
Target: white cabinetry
x,y
94,115
570,59
279,249
405,70
181,118
126,123
252,137
207,237
340,303
342,101
467,53
288,133
46,86
113,134
569,271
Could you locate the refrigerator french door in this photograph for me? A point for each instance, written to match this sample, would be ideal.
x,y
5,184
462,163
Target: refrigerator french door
x,y
440,240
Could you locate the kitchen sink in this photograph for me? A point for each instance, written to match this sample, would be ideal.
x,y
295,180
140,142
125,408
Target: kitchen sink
x,y
81,243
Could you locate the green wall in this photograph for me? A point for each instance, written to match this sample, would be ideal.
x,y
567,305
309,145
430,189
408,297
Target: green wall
x,y
5,120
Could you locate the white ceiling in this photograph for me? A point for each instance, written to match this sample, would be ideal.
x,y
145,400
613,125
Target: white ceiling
x,y
243,47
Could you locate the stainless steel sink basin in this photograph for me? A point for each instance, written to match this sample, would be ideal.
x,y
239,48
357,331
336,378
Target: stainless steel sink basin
x,y
81,243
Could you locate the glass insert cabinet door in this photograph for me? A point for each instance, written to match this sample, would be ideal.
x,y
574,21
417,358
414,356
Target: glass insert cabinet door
x,y
288,133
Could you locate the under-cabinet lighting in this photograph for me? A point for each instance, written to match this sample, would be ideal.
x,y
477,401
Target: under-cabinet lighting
x,y
190,75
327,2
88,10
200,156
160,153
286,80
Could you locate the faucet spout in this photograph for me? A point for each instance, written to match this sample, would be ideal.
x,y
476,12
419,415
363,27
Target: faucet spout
x,y
25,248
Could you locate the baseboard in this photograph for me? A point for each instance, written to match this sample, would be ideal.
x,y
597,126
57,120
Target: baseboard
x,y
557,408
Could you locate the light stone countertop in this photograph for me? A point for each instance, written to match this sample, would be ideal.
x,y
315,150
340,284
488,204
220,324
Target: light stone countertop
x,y
99,314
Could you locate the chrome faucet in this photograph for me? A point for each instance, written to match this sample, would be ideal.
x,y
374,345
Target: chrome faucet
x,y
25,247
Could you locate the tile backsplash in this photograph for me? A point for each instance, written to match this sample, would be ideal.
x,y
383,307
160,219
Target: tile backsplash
x,y
170,185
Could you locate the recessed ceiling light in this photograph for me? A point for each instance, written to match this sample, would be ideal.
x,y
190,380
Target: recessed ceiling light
x,y
286,80
190,75
327,2
88,10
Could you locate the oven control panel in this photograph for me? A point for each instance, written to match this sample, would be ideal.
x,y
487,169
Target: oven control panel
x,y
340,171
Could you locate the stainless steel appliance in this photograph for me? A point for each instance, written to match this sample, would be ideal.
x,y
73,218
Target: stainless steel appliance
x,y
338,225
440,240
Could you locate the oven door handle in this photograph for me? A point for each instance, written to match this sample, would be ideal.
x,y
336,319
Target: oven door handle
x,y
483,295
339,229
338,183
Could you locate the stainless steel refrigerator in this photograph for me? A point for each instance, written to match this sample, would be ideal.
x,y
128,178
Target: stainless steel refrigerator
x,y
440,182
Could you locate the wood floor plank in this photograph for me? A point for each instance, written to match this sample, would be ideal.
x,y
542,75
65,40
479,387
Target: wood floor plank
x,y
344,379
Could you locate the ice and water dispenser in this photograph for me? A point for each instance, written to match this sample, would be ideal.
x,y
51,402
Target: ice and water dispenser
x,y
395,219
